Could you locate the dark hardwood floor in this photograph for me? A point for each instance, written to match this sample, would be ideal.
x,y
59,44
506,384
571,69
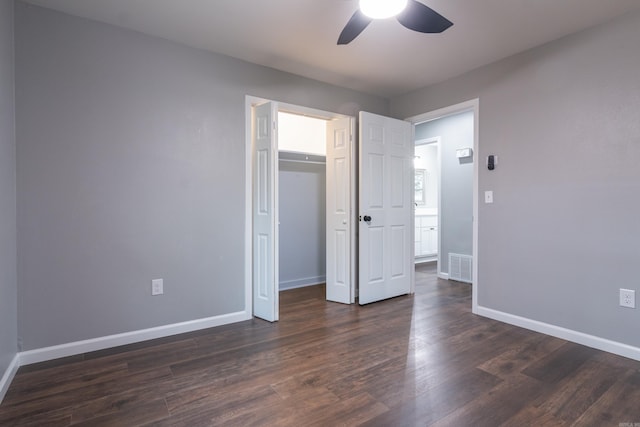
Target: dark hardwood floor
x,y
410,361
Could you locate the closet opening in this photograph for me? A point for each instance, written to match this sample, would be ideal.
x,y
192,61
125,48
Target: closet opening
x,y
301,200
302,139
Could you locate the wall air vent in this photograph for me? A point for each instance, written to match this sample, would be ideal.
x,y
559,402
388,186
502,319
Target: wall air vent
x,y
460,267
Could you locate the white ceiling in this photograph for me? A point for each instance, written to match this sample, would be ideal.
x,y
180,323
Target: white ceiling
x,y
299,36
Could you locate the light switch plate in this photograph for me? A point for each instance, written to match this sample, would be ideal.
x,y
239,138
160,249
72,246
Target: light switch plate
x,y
488,196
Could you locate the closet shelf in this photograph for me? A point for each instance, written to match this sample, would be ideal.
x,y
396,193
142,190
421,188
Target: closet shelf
x,y
293,156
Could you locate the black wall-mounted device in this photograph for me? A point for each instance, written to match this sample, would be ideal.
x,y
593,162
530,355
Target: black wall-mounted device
x,y
491,162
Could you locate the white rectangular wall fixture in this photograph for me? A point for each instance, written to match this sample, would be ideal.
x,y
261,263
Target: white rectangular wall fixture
x,y
627,298
464,153
157,287
488,196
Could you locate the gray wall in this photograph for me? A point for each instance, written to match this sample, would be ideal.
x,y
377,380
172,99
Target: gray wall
x,y
302,196
563,233
8,275
131,153
456,210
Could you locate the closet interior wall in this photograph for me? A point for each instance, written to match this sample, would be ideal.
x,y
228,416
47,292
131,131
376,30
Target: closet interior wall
x,y
302,231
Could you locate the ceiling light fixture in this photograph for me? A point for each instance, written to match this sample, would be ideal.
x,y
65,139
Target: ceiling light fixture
x,y
381,9
411,14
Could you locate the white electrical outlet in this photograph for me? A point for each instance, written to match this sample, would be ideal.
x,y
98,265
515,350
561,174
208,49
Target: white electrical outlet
x,y
157,287
627,298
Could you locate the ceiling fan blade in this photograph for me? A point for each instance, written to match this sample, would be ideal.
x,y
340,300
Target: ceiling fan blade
x,y
354,27
418,17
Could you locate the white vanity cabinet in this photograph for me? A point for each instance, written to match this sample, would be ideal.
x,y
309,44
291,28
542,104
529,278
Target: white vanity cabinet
x,y
426,235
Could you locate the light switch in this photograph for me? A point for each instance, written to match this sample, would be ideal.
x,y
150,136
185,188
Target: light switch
x,y
488,196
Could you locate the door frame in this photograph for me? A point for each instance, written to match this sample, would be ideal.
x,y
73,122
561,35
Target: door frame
x,y
250,102
474,106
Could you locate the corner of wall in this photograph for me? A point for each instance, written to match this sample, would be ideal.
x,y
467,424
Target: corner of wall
x,y
9,286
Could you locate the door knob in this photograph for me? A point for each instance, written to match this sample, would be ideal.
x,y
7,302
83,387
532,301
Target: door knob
x,y
367,218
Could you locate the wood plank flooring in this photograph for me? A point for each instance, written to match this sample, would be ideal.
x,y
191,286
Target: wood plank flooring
x,y
410,361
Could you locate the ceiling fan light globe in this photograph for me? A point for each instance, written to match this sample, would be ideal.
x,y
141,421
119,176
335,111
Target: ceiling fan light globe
x,y
381,9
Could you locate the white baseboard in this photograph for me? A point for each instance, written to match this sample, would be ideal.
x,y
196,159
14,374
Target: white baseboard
x,y
444,276
563,333
79,347
8,375
301,283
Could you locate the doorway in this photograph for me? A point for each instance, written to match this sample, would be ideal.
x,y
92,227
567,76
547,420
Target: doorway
x,y
262,275
456,130
384,214
301,200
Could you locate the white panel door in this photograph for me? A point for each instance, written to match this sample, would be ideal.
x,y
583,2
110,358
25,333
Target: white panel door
x,y
265,214
339,218
386,236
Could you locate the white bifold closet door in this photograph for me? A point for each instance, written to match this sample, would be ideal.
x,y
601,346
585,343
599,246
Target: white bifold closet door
x,y
340,216
265,213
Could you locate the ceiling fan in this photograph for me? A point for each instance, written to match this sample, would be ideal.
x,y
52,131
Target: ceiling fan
x,y
410,13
